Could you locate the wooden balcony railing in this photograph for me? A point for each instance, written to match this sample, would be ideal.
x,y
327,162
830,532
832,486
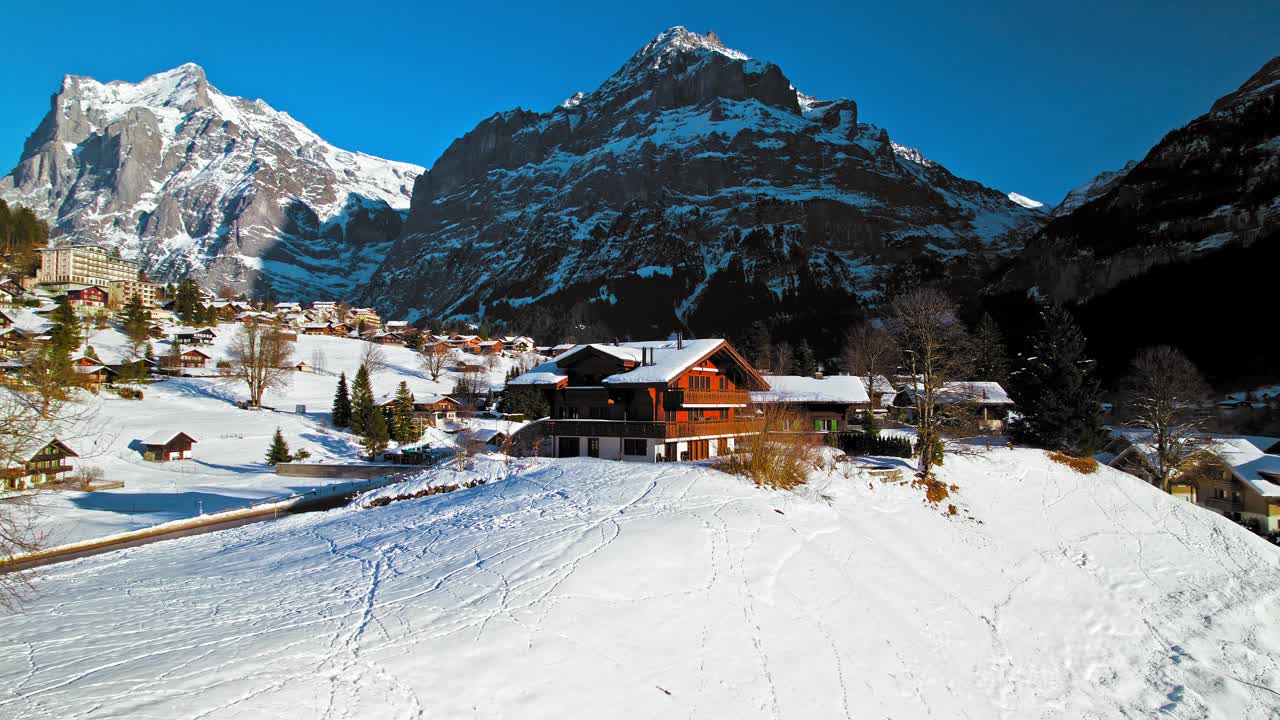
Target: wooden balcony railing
x,y
678,397
654,430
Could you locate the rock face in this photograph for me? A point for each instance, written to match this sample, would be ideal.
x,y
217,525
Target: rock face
x,y
1210,185
192,182
1100,185
693,185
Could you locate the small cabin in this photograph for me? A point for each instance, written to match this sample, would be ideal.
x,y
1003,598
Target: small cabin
x,y
90,296
165,445
194,358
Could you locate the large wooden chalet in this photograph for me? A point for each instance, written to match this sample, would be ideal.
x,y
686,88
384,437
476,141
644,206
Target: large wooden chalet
x,y
647,401
165,445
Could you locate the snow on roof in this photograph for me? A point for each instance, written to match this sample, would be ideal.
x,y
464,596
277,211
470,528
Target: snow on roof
x,y
1255,468
799,389
976,392
162,437
184,330
668,361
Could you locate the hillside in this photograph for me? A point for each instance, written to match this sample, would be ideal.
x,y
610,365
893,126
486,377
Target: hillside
x,y
695,186
587,588
190,181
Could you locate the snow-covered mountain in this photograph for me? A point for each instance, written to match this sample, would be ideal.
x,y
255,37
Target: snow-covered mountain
x,y
191,181
1100,185
1211,184
691,170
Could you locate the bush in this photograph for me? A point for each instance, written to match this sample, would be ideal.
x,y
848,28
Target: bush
x,y
129,393
1082,465
860,443
773,457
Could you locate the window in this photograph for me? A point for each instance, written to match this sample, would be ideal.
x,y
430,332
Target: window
x,y
670,415
593,447
697,414
699,382
634,446
569,447
598,413
724,383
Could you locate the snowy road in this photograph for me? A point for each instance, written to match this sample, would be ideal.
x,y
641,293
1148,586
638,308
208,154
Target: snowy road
x,y
589,588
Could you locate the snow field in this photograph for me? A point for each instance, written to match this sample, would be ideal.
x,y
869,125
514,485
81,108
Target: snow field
x,y
588,588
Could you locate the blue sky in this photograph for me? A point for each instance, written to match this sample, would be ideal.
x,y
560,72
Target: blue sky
x,y
1033,98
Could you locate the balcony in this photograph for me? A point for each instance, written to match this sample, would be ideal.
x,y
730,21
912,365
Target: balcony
x,y
652,430
686,397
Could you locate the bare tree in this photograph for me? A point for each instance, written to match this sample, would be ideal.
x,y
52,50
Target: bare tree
x,y
868,350
50,376
260,357
782,358
434,359
373,357
931,342
1166,394
319,361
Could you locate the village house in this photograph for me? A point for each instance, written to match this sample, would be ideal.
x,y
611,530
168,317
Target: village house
x,y
829,404
436,410
398,326
86,299
45,462
988,402
192,336
517,343
562,348
488,347
165,445
881,391
1234,477
288,308
92,371
365,318
647,401
193,358
11,292
317,328
464,342
387,338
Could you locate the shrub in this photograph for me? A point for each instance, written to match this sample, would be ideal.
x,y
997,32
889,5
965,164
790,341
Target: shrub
x,y
1082,465
859,443
773,457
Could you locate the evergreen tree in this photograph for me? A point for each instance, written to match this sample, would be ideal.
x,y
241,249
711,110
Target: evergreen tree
x,y
186,303
279,450
1059,398
404,427
362,408
342,404
376,435
523,400
150,352
413,341
806,365
65,335
135,320
990,356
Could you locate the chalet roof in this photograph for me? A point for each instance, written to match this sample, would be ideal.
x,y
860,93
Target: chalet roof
x,y
315,325
490,343
185,330
29,448
196,351
670,358
973,392
164,437
397,324
802,389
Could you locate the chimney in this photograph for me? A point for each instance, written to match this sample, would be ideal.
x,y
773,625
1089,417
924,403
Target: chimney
x,y
679,340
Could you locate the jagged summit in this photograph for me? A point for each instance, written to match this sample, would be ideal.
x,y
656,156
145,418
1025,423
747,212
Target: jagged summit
x,y
191,181
678,39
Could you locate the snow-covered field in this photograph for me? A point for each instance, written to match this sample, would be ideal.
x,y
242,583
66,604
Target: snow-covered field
x,y
228,468
595,589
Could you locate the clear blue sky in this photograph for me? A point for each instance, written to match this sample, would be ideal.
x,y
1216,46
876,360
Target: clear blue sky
x,y
1030,97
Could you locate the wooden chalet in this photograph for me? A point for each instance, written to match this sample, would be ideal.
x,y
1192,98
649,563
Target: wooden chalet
x,y
88,297
488,347
194,358
165,445
340,329
11,292
317,328
92,371
829,404
436,409
647,401
517,343
192,336
44,463
464,342
388,338
6,321
987,400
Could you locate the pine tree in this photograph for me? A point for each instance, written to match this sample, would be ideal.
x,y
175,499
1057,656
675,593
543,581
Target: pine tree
x,y
376,435
135,320
186,303
990,356
279,450
342,404
404,427
65,335
805,363
362,408
1059,398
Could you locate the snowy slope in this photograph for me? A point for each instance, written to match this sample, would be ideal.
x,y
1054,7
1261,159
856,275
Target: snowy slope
x,y
228,469
586,588
186,179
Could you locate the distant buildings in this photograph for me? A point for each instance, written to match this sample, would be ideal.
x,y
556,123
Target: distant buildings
x,y
83,265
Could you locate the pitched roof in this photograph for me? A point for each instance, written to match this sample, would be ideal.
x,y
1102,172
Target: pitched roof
x,y
163,437
801,389
1253,467
668,359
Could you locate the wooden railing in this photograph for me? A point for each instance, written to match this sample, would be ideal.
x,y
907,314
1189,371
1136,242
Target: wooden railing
x,y
655,430
687,396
